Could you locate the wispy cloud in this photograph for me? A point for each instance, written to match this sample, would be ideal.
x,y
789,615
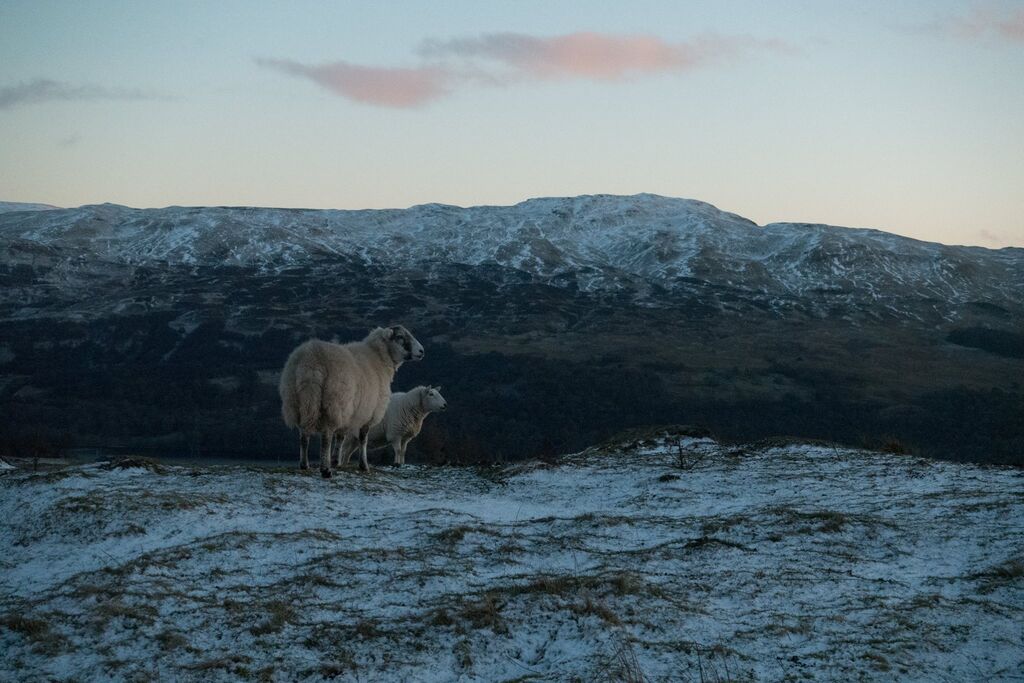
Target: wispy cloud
x,y
46,90
595,56
508,58
383,86
69,140
994,239
982,22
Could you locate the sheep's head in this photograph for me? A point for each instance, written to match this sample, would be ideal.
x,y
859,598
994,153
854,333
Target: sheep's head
x,y
431,399
402,346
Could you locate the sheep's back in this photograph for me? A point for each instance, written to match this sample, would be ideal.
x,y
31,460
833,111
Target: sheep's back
x,y
357,387
388,427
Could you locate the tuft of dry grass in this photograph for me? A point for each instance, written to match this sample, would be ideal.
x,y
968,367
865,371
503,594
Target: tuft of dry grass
x,y
367,628
463,653
234,664
589,607
704,541
878,661
34,630
170,640
485,613
453,535
279,614
116,609
441,617
1002,574
129,463
625,666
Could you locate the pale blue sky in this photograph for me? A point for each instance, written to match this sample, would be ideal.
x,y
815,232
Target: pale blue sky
x,y
907,117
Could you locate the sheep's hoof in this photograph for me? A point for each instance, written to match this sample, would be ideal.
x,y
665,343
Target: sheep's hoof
x,y
325,473
303,467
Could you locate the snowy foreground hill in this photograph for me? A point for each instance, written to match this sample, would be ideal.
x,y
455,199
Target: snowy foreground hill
x,y
767,562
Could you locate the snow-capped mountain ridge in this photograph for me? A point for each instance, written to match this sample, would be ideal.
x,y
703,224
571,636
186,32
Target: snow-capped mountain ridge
x,y
25,206
602,238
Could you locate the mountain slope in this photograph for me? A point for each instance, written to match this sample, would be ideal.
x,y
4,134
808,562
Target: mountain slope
x,y
24,206
599,238
649,309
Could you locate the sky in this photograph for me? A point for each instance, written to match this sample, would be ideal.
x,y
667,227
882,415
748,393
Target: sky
x,y
902,116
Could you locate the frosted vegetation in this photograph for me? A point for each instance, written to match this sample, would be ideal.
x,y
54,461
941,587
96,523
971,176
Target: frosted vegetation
x,y
654,559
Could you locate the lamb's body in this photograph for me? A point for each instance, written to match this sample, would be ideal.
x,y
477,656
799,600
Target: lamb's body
x,y
327,388
402,422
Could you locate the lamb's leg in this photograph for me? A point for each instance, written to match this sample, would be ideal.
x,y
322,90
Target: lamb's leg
x,y
364,435
303,451
325,453
405,446
398,446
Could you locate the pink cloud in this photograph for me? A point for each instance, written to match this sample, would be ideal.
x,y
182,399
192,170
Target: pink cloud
x,y
990,237
594,56
382,86
508,58
985,22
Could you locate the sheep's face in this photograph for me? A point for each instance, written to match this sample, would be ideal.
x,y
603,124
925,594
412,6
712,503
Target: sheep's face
x,y
402,345
432,400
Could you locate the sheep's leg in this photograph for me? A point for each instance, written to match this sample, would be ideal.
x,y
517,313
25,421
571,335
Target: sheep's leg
x,y
348,447
303,451
364,437
398,446
405,446
336,450
325,453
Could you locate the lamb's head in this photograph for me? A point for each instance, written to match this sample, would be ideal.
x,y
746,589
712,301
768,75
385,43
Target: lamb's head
x,y
431,399
401,345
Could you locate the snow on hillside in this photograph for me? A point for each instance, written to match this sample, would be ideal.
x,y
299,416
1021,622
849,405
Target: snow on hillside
x,y
785,562
24,206
601,236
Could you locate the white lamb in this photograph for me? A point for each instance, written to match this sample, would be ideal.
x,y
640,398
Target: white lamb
x,y
401,424
329,388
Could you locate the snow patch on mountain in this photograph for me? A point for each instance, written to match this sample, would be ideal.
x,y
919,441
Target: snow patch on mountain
x,y
659,239
6,207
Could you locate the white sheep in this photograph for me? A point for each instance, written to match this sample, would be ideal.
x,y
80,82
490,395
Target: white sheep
x,y
330,388
401,424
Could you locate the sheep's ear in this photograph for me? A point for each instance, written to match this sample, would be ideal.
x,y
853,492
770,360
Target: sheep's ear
x,y
438,387
389,333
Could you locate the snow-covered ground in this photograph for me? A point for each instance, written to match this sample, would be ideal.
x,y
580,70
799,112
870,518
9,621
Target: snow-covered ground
x,y
791,562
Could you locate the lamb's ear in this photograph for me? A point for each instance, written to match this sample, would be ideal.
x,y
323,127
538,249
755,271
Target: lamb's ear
x,y
389,333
